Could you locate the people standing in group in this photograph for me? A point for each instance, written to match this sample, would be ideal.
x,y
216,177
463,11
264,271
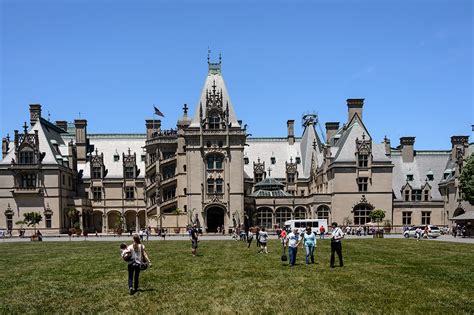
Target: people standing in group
x,y
293,241
194,240
336,247
263,238
309,242
139,256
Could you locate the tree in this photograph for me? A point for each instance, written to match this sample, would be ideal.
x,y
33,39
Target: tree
x,y
177,211
377,216
466,180
32,218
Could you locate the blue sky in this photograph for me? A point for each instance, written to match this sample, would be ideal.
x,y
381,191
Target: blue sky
x,y
111,61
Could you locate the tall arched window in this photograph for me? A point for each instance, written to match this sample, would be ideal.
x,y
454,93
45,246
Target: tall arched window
x,y
264,217
281,215
361,214
323,212
300,213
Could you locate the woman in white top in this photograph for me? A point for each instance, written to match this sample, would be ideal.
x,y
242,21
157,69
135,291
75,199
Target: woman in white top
x,y
139,256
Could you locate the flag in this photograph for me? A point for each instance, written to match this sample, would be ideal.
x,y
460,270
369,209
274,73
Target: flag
x,y
157,112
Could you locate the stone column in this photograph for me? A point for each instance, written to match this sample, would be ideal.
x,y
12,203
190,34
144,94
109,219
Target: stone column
x,y
136,223
104,223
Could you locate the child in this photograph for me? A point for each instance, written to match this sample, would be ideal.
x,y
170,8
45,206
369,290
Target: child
x,y
125,252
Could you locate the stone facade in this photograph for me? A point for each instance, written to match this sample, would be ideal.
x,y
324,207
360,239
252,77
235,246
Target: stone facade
x,y
209,171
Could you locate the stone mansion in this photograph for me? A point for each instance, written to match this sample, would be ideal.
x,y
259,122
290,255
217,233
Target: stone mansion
x,y
209,171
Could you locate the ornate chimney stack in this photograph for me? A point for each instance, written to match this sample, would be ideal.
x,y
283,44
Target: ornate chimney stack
x,y
81,139
5,146
459,144
331,129
35,113
388,149
61,124
354,106
408,152
291,131
152,125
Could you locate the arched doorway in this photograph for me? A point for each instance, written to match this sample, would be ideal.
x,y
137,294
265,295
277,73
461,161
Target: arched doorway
x,y
97,218
215,218
130,221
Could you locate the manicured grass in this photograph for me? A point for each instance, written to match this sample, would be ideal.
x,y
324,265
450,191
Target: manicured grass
x,y
381,276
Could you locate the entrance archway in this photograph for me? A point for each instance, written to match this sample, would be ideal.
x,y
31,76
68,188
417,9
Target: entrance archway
x,y
215,218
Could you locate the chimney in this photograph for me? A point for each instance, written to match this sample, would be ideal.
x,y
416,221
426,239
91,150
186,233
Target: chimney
x,y
457,142
35,113
408,152
5,146
152,125
388,149
291,131
61,124
331,129
81,139
354,106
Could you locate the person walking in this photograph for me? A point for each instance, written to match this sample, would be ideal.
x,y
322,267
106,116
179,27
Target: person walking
x,y
322,231
263,238
336,245
194,240
309,242
292,241
139,257
249,237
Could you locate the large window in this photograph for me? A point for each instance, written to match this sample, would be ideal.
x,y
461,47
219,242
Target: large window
x,y
28,181
26,157
210,186
282,215
214,162
214,122
169,171
129,172
215,186
291,178
219,186
96,172
363,160
362,182
407,195
323,212
406,217
97,193
264,217
361,214
300,213
169,193
425,217
416,195
129,193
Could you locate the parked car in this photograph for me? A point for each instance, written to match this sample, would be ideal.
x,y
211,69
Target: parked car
x,y
433,231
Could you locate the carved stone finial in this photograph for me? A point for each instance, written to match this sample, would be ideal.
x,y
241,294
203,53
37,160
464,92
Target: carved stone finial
x,y
185,108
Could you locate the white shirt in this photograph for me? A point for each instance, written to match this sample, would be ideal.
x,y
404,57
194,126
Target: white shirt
x,y
136,255
293,239
337,234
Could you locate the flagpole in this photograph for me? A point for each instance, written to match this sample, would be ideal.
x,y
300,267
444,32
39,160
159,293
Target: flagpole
x,y
154,114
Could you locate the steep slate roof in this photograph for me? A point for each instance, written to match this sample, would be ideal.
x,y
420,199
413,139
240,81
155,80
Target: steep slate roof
x,y
214,76
112,146
423,163
265,148
270,187
309,136
46,133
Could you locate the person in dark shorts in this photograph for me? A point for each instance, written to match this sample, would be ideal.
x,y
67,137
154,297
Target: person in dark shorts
x,y
194,240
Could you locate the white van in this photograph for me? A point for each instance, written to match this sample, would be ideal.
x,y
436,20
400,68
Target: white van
x,y
302,224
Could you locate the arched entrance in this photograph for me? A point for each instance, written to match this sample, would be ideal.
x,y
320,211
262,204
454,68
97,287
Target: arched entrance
x,y
97,221
215,218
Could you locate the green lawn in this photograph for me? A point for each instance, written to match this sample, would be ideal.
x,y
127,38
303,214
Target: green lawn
x,y
380,275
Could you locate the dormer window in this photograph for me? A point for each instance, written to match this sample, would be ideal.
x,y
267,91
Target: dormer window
x,y
430,177
129,172
116,157
246,160
26,157
214,122
96,172
407,195
363,160
298,160
426,195
416,195
273,160
291,178
409,177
